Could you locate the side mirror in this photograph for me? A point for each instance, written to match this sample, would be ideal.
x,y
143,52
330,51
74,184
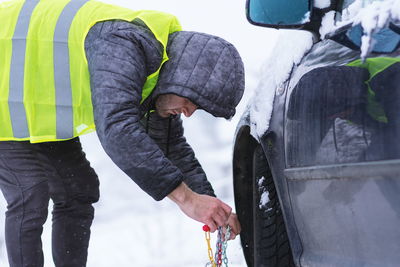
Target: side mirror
x,y
282,14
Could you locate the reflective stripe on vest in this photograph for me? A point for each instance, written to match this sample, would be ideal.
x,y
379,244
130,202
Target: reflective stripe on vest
x,y
16,96
44,78
62,76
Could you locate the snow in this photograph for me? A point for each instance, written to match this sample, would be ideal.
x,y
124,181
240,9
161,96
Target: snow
x,y
264,199
322,3
327,24
261,181
288,51
130,228
371,15
306,18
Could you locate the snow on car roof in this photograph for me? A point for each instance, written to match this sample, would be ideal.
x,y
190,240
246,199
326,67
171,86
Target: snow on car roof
x,y
371,15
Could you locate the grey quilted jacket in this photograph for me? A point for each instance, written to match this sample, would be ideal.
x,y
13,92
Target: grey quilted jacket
x,y
149,149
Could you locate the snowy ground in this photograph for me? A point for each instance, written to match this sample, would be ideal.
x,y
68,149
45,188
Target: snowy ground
x,y
130,228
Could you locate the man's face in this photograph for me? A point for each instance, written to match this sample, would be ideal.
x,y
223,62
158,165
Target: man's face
x,y
170,104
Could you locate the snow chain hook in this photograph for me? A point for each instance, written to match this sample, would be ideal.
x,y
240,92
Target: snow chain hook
x,y
221,247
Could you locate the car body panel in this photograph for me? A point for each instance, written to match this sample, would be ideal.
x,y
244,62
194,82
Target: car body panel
x,y
347,215
335,215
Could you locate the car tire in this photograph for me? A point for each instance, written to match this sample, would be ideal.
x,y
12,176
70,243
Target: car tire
x,y
271,244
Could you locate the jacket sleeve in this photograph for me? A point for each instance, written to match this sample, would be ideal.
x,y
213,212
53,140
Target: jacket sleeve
x,y
168,133
120,56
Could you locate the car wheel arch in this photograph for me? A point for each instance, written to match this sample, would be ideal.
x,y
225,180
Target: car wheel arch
x,y
247,151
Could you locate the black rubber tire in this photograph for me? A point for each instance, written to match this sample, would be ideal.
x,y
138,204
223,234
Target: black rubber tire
x,y
271,244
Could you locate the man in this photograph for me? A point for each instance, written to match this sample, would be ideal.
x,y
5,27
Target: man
x,y
71,66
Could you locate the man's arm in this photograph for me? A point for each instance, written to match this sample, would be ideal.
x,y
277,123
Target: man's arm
x,y
195,196
180,153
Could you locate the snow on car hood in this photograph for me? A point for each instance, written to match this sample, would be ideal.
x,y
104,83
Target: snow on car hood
x,y
288,51
293,44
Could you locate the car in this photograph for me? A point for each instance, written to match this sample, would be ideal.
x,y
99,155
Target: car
x,y
316,156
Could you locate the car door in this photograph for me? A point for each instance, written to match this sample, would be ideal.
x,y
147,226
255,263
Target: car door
x,y
343,161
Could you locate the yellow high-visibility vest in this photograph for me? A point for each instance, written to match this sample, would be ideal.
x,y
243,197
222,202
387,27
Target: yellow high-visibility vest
x,y
44,77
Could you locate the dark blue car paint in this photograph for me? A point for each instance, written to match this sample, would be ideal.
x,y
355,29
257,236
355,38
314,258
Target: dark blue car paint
x,y
336,215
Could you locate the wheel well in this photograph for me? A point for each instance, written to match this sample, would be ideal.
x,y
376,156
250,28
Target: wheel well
x,y
272,225
243,151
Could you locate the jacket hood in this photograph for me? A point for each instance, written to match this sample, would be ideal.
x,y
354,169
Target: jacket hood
x,y
205,69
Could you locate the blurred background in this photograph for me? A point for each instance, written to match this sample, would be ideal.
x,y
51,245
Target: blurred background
x,y
130,228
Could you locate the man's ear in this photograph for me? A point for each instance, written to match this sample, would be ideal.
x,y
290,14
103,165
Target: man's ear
x,y
162,101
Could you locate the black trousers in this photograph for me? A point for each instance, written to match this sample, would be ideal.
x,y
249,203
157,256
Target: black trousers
x,y
31,174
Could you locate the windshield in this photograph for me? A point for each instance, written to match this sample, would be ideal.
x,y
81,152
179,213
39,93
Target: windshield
x,y
385,40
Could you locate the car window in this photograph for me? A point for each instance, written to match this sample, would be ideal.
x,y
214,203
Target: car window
x,y
340,115
385,40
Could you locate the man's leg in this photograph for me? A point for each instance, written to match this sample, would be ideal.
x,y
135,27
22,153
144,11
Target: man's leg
x,y
23,182
73,190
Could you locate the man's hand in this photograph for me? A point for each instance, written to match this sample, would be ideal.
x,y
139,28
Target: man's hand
x,y
206,209
234,224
